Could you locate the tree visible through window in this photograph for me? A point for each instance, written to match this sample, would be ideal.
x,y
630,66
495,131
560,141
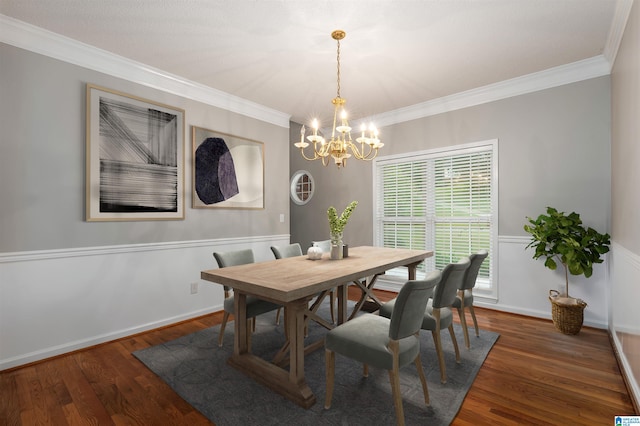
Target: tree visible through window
x,y
443,201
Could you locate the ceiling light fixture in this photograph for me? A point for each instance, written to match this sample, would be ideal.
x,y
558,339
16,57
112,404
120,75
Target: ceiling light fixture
x,y
340,145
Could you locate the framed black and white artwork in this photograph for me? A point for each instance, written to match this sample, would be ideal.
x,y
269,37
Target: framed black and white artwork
x,y
134,158
228,171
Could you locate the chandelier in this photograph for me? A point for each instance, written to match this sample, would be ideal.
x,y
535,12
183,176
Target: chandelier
x,y
340,147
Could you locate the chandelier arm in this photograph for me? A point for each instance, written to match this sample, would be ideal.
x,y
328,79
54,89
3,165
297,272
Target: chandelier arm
x,y
371,150
315,157
360,153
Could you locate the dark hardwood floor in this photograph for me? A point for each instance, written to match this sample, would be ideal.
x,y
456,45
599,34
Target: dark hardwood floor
x,y
533,375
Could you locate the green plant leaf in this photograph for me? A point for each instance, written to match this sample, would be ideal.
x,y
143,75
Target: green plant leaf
x,y
558,237
550,263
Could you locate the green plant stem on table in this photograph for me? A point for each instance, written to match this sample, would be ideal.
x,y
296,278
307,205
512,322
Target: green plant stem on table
x,y
337,224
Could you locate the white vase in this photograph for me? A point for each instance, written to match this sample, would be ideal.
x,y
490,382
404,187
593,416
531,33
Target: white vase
x,y
336,245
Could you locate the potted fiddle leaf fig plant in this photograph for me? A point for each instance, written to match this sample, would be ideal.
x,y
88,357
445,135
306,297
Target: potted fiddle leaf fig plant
x,y
559,238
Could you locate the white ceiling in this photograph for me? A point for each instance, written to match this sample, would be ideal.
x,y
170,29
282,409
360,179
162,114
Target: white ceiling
x,y
280,53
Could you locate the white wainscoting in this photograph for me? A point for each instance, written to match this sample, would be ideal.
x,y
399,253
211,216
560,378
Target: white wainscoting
x,y
524,284
624,319
57,301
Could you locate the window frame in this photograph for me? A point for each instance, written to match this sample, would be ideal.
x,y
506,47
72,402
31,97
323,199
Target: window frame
x,y
485,289
302,186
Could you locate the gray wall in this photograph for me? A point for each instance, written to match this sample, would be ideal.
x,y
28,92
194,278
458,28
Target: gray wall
x,y
553,151
42,162
624,321
66,284
626,138
334,187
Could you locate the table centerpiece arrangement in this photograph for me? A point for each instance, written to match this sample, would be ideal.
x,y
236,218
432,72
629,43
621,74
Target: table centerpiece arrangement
x,y
336,227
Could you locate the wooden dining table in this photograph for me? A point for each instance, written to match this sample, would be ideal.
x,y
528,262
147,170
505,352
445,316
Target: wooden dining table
x,y
293,282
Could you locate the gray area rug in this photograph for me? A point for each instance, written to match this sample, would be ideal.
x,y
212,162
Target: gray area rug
x,y
196,368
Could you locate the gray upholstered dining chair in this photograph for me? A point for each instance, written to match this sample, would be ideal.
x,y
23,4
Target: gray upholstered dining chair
x,y
280,252
292,250
382,342
465,294
325,245
439,314
255,306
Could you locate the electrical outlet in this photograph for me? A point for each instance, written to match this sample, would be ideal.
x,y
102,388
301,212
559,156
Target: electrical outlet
x,y
194,288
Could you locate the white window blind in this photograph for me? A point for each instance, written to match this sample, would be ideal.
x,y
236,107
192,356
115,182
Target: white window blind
x,y
443,201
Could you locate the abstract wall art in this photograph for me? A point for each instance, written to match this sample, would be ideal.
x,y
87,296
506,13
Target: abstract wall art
x,y
135,158
228,171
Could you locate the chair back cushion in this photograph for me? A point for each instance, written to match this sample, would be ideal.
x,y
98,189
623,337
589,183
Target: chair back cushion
x,y
408,311
291,250
325,245
233,258
472,273
445,292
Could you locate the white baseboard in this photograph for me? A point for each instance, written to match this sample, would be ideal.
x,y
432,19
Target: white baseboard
x,y
59,301
96,340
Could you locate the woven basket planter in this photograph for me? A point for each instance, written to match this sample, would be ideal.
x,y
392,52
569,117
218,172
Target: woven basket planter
x,y
567,312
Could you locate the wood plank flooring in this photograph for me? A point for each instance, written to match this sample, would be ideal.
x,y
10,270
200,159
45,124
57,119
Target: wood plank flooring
x,y
533,375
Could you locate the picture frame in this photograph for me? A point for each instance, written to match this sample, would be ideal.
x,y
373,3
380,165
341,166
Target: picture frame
x,y
134,158
228,170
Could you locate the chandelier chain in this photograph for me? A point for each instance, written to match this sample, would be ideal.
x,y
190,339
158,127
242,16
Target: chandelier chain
x,y
338,60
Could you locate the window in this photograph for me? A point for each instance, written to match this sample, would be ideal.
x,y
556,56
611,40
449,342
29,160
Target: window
x,y
302,187
443,200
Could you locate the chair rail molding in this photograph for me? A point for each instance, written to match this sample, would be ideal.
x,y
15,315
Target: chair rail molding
x,y
523,284
70,299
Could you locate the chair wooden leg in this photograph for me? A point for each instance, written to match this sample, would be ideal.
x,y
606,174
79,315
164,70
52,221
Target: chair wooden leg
x,y
463,321
330,361
394,378
455,343
438,344
475,321
225,318
423,379
397,397
365,370
278,316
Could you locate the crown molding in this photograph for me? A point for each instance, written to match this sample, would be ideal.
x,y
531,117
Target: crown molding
x,y
38,40
586,69
620,18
